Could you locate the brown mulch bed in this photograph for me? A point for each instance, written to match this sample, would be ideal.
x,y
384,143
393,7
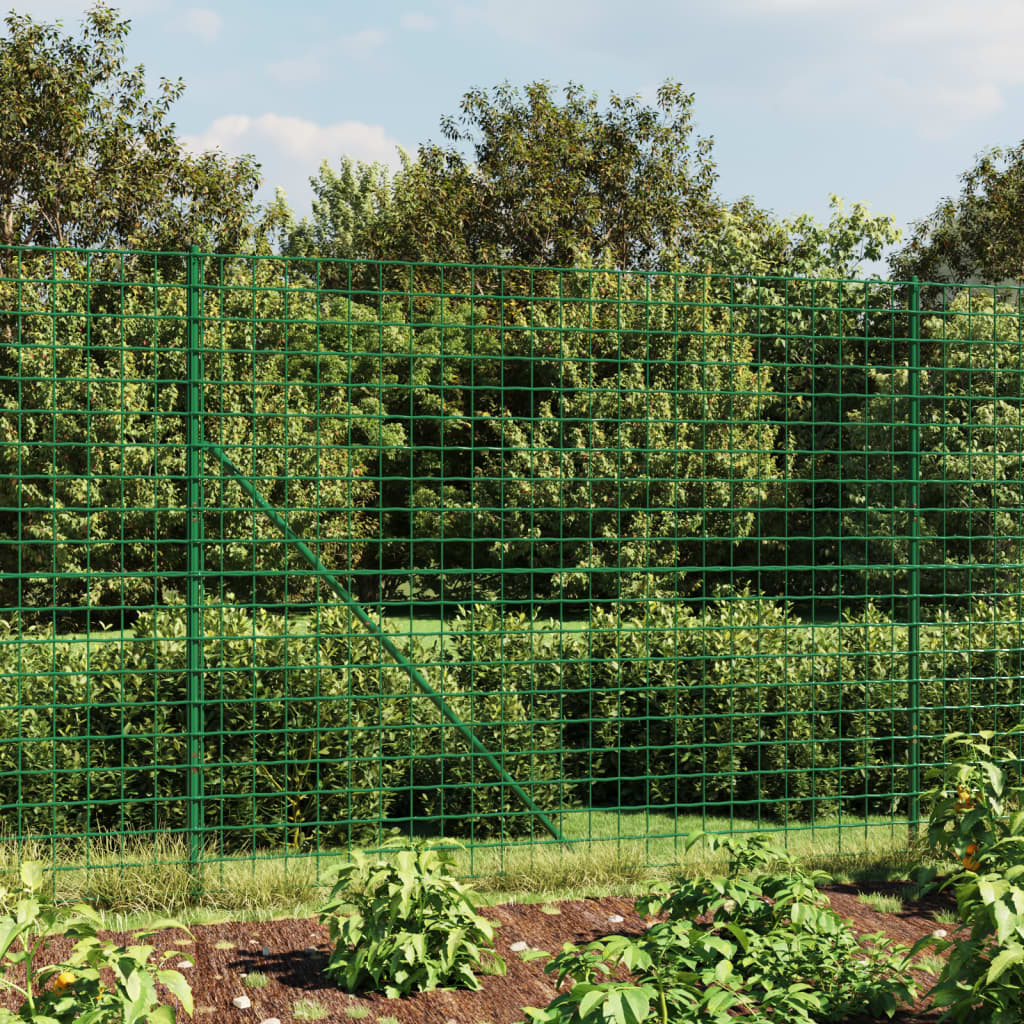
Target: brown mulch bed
x,y
291,952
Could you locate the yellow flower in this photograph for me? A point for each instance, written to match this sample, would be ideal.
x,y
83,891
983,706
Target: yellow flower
x,y
64,980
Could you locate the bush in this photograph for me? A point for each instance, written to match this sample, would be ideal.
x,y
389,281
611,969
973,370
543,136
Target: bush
x,y
317,735
743,705
103,738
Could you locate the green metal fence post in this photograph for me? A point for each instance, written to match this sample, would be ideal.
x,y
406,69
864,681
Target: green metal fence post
x,y
194,533
914,587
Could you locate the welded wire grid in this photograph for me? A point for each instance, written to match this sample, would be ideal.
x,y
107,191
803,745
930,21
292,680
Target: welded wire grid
x,y
296,552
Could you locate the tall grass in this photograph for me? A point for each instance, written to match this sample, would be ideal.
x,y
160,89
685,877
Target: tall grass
x,y
607,853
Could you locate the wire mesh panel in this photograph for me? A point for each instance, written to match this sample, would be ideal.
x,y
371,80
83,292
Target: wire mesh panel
x,y
296,552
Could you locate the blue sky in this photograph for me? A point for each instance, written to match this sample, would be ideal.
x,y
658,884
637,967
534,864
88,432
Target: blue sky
x,y
881,101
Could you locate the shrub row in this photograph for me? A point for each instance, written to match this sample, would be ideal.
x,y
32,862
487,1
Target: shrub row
x,y
318,734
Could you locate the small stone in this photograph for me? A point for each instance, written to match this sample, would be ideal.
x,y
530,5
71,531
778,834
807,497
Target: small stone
x,y
266,951
940,933
518,947
616,919
242,1002
271,1020
311,951
183,964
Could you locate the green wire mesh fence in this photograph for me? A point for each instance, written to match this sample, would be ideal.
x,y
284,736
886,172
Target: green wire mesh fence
x,y
295,552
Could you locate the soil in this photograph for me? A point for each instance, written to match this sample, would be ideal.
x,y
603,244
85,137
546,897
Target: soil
x,y
291,952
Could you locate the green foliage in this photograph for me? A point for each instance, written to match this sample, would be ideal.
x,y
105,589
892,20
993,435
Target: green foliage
x,y
315,734
92,431
740,703
287,720
773,950
28,920
621,431
89,160
309,734
971,413
976,816
752,242
402,923
632,186
976,237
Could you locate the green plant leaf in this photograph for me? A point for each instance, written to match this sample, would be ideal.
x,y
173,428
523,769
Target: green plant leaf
x,y
1003,960
32,874
630,1005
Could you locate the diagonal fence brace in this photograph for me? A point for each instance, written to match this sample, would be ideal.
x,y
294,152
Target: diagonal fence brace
x,y
414,673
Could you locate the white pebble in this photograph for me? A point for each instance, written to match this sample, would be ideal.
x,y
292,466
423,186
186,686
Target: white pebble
x,y
182,964
271,1020
518,947
242,1002
940,933
616,919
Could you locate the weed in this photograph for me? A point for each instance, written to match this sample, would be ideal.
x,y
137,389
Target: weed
x,y
310,1009
931,963
255,979
882,903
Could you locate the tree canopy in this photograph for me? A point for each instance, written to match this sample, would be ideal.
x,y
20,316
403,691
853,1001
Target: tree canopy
x,y
978,237
87,159
570,184
548,184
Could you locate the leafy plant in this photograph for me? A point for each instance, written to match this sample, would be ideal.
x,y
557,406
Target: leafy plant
x,y
77,993
976,817
771,942
403,923
971,819
255,979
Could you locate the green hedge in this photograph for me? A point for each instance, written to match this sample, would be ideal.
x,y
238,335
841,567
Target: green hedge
x,y
746,706
304,734
319,736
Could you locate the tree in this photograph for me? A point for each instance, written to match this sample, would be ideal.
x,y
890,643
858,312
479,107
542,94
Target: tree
x,y
976,238
549,185
86,159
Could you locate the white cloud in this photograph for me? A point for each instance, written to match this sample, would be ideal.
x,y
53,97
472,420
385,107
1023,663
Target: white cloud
x,y
414,22
202,22
296,138
933,65
291,149
359,44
